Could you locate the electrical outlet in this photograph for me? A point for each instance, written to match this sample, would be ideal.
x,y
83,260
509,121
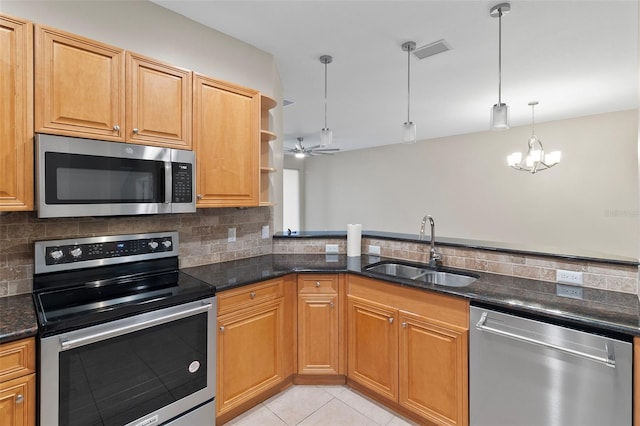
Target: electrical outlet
x,y
570,291
375,250
265,232
568,277
231,235
331,248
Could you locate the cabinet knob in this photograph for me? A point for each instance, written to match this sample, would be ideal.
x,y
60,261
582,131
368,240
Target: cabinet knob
x,y
19,398
317,284
135,131
221,328
116,128
252,294
199,196
404,325
390,319
331,305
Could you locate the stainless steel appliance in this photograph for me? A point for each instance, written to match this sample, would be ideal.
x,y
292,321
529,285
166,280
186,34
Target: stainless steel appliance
x,y
83,177
524,371
125,337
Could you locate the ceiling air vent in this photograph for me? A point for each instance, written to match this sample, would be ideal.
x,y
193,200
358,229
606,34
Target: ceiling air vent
x,y
287,102
432,49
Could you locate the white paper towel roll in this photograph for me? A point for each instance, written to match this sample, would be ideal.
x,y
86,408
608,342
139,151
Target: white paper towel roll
x,y
354,240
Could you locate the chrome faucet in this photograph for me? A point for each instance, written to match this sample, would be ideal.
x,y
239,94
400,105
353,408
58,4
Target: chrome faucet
x,y
435,258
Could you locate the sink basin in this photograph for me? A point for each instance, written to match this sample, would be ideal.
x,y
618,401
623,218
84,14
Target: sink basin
x,y
421,274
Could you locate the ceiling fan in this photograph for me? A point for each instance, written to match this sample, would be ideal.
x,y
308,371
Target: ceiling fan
x,y
301,151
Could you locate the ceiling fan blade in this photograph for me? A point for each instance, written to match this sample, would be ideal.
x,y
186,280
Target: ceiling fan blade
x,y
328,150
323,153
314,147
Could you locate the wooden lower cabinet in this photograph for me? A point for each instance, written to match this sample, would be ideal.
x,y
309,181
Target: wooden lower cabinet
x,y
373,346
432,369
18,383
320,328
409,349
254,345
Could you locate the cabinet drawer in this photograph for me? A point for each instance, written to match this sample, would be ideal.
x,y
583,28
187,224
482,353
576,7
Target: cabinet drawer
x,y
320,283
250,295
17,359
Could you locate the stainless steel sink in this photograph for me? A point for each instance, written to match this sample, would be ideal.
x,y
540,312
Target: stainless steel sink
x,y
422,274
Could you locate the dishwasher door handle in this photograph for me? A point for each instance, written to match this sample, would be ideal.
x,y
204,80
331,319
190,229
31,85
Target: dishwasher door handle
x,y
609,360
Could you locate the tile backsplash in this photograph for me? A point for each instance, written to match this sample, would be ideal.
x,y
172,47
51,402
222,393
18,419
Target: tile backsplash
x,y
203,237
622,278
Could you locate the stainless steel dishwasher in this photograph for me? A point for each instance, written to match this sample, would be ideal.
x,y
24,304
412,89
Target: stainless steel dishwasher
x,y
528,372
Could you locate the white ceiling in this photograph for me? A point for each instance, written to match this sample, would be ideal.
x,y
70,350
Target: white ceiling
x,y
574,57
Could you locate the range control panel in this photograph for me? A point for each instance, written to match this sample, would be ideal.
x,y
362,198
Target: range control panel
x,y
97,251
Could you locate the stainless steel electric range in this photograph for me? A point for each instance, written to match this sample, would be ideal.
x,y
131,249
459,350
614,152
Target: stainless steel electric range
x,y
124,337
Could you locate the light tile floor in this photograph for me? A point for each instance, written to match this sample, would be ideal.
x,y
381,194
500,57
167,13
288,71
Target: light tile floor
x,y
320,406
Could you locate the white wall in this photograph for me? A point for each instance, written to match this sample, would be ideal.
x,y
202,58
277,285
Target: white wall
x,y
148,29
587,202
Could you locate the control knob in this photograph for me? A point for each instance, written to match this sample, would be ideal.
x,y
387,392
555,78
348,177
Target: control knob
x,y
56,254
76,252
153,245
166,243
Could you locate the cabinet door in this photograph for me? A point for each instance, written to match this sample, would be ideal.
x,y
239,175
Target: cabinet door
x,y
18,402
318,349
250,353
226,120
433,370
158,103
79,86
16,114
373,346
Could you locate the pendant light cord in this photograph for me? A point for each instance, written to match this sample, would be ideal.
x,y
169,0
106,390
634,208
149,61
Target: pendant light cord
x,y
408,85
500,57
325,95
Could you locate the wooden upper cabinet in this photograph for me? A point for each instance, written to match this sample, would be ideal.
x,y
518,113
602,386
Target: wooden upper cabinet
x,y
79,88
226,120
16,114
158,103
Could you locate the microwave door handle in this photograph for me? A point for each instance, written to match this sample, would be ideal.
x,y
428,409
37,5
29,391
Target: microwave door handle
x,y
168,178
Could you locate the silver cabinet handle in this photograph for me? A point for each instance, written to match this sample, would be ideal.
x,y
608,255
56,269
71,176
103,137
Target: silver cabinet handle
x,y
252,294
390,319
317,284
19,398
199,196
609,361
331,305
404,325
116,128
135,130
222,329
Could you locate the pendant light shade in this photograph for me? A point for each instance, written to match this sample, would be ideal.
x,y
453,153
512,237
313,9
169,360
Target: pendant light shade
x,y
326,135
500,111
536,160
409,127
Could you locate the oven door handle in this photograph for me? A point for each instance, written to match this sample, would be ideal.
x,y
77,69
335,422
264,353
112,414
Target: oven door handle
x,y
134,325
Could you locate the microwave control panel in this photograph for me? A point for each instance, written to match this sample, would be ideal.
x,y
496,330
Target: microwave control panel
x,y
182,183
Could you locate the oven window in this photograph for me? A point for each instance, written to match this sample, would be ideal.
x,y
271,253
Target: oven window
x,y
87,179
118,380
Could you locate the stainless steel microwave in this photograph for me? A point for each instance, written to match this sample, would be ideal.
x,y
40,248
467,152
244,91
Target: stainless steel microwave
x,y
84,177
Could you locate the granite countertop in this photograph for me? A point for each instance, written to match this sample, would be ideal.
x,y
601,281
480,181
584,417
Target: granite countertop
x,y
608,310
17,318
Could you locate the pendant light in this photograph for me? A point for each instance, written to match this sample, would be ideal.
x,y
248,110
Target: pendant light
x,y
409,128
536,160
326,135
500,111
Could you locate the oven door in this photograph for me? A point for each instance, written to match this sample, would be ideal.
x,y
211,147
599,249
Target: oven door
x,y
143,370
82,177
